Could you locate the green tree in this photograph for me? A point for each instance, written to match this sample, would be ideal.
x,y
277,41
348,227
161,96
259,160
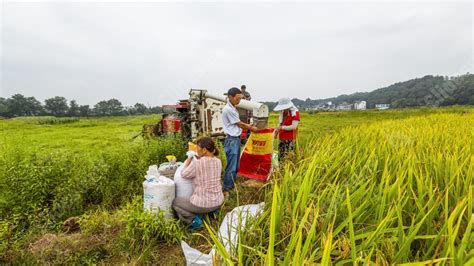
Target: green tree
x,y
471,100
56,106
448,101
3,107
19,105
16,105
115,106
101,109
156,110
140,108
33,106
73,108
108,108
399,103
84,110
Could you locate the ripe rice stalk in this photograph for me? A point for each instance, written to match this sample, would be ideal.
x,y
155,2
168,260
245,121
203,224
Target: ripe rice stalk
x,y
399,191
273,226
351,228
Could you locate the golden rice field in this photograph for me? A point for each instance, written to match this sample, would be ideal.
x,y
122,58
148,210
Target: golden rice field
x,y
391,192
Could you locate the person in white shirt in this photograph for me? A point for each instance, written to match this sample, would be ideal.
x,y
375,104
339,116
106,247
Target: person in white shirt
x,y
233,129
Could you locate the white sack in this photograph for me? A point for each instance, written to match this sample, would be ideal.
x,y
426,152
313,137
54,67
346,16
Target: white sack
x,y
228,233
158,194
169,169
184,187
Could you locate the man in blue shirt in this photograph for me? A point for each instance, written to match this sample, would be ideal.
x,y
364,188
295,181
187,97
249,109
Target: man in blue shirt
x,y
232,128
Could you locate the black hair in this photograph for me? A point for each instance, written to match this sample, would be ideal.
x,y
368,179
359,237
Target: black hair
x,y
243,87
208,144
233,91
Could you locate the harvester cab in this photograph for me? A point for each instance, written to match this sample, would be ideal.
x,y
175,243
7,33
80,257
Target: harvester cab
x,y
201,115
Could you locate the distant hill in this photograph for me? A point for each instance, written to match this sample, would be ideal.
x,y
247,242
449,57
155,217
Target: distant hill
x,y
425,91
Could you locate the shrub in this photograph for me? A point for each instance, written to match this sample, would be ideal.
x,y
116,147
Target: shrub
x,y
47,188
56,120
145,228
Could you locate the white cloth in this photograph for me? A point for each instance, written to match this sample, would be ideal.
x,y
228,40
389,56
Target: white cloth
x,y
191,154
293,126
230,118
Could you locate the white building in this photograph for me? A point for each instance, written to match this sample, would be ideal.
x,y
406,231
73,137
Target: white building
x,y
344,106
360,105
382,106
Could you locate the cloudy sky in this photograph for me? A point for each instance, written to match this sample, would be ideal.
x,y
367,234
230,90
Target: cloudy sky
x,y
155,52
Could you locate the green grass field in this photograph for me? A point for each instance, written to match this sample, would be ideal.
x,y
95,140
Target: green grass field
x,y
379,187
50,134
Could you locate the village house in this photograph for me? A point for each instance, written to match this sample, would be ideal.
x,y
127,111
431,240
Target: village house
x,y
382,106
360,105
344,106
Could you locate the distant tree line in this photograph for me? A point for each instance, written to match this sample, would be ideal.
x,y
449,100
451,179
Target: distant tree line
x,y
19,105
425,91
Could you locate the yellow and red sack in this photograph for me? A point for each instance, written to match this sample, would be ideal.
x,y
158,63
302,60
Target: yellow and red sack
x,y
256,158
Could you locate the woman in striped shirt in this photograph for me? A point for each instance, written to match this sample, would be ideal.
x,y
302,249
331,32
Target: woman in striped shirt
x,y
205,172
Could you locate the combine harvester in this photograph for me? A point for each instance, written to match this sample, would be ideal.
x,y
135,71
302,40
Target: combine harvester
x,y
201,115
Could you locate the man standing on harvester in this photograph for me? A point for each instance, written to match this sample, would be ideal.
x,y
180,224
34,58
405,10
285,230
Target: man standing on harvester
x,y
233,129
243,113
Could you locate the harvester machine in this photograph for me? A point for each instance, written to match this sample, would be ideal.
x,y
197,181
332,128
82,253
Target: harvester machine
x,y
201,115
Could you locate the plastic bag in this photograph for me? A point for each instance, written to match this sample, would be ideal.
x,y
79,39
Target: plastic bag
x,y
184,187
194,256
153,171
275,160
227,234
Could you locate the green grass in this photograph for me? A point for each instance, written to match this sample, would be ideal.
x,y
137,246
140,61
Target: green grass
x,y
86,136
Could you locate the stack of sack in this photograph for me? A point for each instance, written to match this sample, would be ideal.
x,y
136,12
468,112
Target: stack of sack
x,y
159,188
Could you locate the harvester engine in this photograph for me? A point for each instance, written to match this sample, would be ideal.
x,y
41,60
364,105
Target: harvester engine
x,y
175,119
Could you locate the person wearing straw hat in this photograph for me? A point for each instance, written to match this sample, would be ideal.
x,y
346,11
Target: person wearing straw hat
x,y
287,129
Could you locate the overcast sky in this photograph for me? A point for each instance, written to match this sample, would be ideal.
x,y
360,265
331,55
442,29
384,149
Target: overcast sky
x,y
154,53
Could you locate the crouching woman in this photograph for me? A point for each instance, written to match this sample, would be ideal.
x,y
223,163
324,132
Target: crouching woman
x,y
205,172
